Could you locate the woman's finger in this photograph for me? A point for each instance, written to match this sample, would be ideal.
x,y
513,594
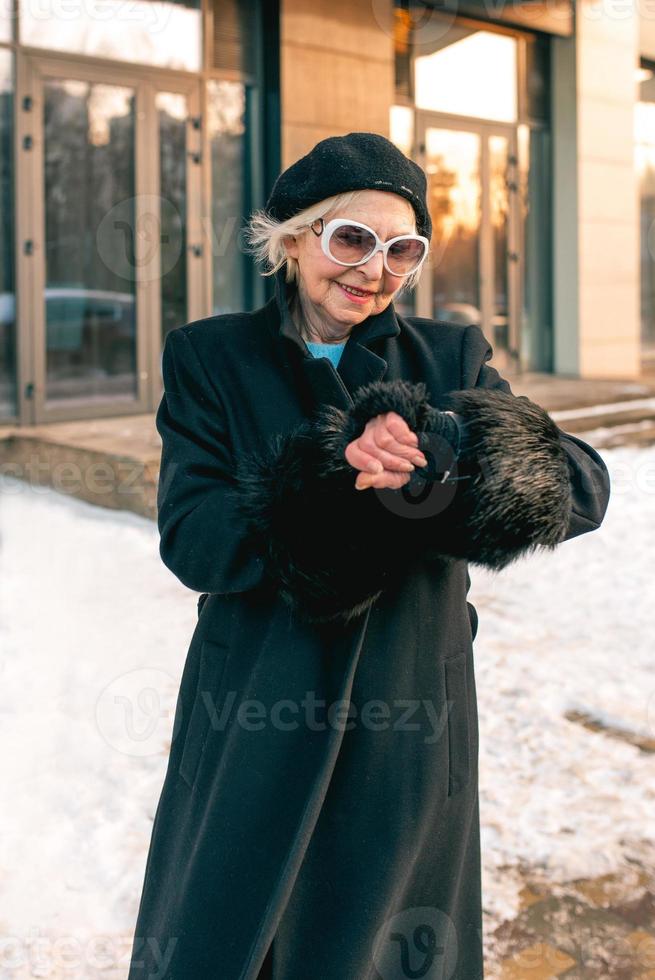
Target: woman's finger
x,y
369,457
385,437
389,459
386,443
381,481
380,443
362,460
400,429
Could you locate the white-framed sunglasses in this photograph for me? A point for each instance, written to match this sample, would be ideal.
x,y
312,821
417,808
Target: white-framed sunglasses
x,y
352,243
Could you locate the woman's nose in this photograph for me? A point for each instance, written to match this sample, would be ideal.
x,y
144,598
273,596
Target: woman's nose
x,y
374,268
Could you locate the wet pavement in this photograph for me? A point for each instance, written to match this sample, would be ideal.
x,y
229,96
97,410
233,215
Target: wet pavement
x,y
586,929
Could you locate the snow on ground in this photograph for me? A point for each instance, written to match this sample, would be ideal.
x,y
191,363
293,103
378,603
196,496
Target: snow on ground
x,y
93,635
569,629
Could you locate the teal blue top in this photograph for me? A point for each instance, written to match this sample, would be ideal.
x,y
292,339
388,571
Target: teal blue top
x,y
332,351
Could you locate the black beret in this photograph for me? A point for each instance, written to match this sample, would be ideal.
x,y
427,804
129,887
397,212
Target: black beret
x,y
356,162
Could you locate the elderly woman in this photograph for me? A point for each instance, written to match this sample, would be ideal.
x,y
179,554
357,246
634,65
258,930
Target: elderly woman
x,y
329,469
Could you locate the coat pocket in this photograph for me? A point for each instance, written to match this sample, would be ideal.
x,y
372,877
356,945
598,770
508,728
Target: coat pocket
x,y
459,729
206,706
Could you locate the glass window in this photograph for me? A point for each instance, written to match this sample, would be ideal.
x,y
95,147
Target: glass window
x,y
165,33
445,67
401,128
499,205
6,22
645,163
226,120
90,261
453,161
535,198
467,72
7,273
173,113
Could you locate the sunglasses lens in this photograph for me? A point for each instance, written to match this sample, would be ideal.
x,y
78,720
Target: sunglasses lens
x,y
348,243
404,256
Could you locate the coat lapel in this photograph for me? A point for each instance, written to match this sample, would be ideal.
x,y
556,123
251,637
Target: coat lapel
x,y
358,364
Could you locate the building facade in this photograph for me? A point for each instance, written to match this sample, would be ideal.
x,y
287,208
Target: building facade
x,y
137,136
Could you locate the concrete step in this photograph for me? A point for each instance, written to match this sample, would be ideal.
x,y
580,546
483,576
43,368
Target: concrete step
x,y
590,417
111,462
604,426
640,434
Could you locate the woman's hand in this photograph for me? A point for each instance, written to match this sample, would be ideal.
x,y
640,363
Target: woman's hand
x,y
386,452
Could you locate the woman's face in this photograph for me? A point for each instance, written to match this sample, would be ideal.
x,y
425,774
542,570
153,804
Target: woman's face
x,y
321,280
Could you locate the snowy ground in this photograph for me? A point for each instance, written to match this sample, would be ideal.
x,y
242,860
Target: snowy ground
x,y
93,634
569,630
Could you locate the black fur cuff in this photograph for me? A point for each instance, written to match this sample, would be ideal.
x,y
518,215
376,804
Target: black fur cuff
x,y
331,550
512,477
298,505
321,539
507,488
408,399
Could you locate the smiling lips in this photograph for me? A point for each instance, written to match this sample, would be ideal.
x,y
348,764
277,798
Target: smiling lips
x,y
355,292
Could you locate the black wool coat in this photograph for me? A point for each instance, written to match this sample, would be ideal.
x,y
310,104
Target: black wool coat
x,y
319,815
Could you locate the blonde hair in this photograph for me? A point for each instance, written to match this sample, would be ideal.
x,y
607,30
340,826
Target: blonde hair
x,y
265,236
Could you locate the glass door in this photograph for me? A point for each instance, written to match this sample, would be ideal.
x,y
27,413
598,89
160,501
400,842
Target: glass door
x,y
115,163
472,275
176,212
